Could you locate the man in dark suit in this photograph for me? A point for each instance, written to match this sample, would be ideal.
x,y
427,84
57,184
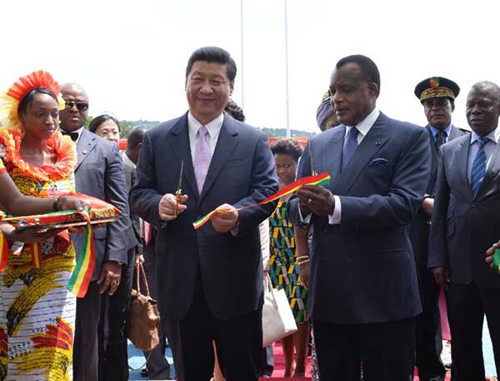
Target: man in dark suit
x,y
99,173
210,280
113,356
437,95
465,223
363,282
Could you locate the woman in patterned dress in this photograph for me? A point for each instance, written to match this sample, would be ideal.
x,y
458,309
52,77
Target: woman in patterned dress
x,y
283,270
37,313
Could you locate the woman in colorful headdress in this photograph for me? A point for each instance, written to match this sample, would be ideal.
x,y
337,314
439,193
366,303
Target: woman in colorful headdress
x,y
283,267
37,313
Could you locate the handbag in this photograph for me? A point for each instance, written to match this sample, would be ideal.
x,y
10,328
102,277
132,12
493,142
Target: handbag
x,y
277,316
143,317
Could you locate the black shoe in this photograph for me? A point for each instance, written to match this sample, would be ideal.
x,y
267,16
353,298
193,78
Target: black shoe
x,y
144,372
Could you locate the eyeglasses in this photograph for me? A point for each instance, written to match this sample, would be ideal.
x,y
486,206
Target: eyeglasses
x,y
81,106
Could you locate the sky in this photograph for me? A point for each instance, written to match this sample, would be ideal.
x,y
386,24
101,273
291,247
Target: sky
x,y
130,56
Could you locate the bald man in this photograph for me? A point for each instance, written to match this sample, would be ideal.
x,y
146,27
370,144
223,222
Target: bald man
x,y
99,173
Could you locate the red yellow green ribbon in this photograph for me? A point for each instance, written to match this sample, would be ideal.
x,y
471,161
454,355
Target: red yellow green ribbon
x,y
36,255
4,252
82,274
321,179
495,265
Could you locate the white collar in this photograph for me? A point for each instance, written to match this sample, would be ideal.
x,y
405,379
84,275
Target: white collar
x,y
366,124
213,127
493,136
126,159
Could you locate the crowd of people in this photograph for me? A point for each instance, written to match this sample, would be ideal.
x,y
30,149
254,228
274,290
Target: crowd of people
x,y
409,211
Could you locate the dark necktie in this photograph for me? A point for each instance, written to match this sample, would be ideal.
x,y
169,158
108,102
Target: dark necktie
x,y
72,135
350,146
478,166
440,139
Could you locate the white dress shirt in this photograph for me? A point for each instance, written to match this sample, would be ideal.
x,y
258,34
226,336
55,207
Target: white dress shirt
x,y
213,131
363,127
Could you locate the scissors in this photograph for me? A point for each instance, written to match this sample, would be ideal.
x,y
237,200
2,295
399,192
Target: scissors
x,y
178,192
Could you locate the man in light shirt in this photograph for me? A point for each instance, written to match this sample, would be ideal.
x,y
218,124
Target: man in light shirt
x,y
465,223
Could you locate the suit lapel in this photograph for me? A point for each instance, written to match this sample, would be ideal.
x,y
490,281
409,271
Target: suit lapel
x,y
226,144
375,139
85,145
461,159
454,133
333,151
179,143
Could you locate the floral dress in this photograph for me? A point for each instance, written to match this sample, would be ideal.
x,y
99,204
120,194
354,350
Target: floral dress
x,y
37,313
283,270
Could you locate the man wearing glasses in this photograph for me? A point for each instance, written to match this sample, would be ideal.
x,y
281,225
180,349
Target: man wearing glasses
x,y
99,173
437,95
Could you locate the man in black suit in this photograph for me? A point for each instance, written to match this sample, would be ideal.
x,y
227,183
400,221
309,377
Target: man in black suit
x,y
437,95
465,223
99,173
363,282
210,279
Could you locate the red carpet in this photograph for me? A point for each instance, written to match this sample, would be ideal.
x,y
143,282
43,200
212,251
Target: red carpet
x,y
279,367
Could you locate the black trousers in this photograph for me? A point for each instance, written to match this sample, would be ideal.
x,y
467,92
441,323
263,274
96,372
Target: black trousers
x,y
238,341
85,350
113,356
428,344
467,306
386,350
157,364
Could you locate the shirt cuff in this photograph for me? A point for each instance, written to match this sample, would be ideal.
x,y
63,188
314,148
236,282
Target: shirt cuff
x,y
334,219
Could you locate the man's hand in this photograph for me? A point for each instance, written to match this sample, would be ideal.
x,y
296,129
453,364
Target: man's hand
x,y
316,199
428,205
169,208
225,219
442,277
304,274
491,252
110,277
139,259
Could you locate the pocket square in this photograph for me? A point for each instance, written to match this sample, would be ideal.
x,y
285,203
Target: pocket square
x,y
378,161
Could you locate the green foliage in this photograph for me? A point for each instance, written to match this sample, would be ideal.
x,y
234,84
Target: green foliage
x,y
127,126
281,132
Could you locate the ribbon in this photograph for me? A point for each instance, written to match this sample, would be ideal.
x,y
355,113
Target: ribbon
x,y
321,179
495,265
82,274
4,252
36,255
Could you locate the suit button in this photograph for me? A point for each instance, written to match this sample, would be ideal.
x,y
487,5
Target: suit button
x,y
348,261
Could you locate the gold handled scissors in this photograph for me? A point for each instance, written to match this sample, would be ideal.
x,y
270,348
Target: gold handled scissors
x,y
178,192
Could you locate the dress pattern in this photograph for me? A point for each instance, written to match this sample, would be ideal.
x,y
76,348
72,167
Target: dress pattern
x,y
37,313
283,270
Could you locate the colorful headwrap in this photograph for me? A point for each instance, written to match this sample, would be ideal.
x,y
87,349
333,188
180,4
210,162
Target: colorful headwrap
x,y
324,111
10,99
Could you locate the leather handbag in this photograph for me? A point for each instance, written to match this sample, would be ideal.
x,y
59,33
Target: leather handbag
x,y
277,316
143,316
